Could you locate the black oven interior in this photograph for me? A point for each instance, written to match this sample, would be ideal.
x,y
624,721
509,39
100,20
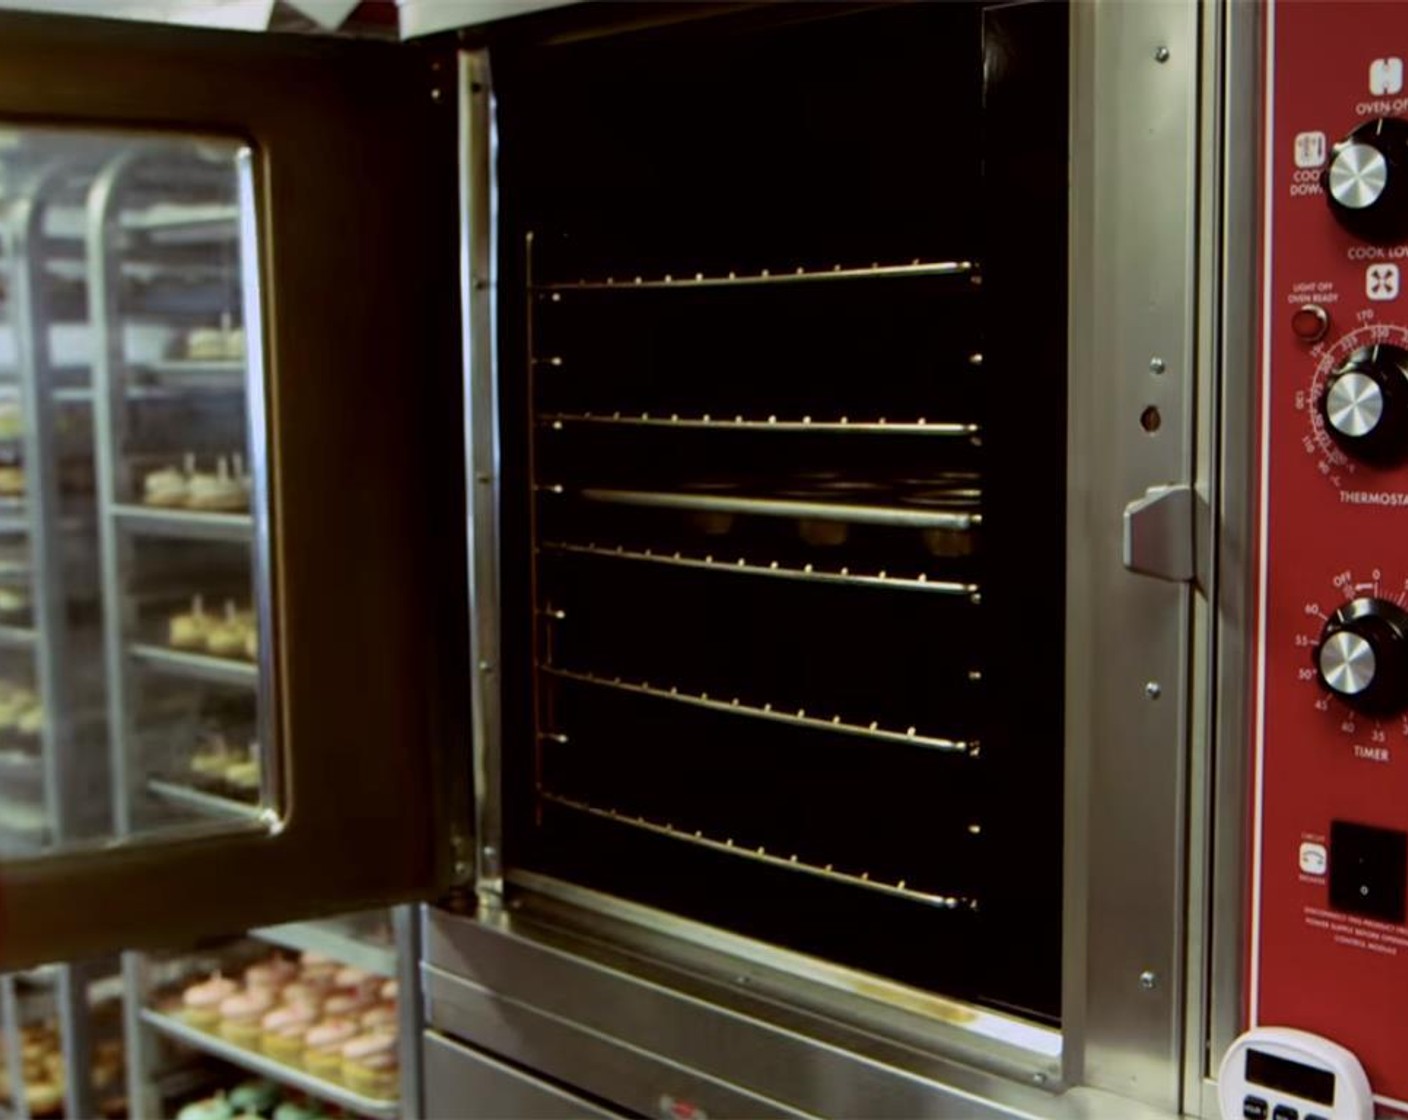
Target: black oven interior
x,y
782,332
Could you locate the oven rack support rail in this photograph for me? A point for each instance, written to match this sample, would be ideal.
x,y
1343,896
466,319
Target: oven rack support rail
x,y
916,269
796,718
862,880
892,516
881,580
558,421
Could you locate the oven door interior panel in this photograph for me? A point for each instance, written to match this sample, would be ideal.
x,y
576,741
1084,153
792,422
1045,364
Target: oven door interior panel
x,y
783,417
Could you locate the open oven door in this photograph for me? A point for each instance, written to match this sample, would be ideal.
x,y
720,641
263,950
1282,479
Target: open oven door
x,y
233,490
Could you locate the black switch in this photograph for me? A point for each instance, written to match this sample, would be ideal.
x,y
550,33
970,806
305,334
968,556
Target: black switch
x,y
1254,1108
1285,1112
1368,870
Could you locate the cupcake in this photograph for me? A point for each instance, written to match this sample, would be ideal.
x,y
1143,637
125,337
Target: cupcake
x,y
270,976
240,1015
347,1002
369,1065
283,1030
388,991
382,1016
306,991
200,1003
212,1108
322,1055
254,1096
316,968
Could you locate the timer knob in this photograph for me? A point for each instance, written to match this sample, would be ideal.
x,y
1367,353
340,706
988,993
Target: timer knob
x,y
1363,656
1365,404
1366,183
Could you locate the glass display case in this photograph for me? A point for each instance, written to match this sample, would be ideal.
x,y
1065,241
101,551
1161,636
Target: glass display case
x,y
299,1021
130,580
56,1022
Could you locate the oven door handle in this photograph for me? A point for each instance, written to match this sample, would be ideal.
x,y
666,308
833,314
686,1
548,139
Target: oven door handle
x,y
1159,533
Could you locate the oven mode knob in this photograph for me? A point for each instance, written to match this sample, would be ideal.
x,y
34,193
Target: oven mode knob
x,y
1363,656
1367,180
1365,404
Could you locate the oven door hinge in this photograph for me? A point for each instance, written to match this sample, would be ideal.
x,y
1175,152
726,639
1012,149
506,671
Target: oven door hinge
x,y
1161,533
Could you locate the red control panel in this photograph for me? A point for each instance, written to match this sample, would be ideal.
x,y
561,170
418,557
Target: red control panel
x,y
1329,948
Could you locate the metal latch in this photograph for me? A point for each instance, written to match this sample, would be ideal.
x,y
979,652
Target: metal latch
x,y
1158,533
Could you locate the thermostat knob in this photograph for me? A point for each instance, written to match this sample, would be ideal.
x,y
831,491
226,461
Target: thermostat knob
x,y
1362,656
1365,404
1366,182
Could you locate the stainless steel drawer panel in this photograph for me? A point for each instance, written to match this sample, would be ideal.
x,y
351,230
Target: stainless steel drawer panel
x,y
469,1085
578,1055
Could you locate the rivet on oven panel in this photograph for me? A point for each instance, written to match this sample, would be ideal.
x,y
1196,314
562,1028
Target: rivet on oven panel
x,y
766,272
1038,1079
1161,54
976,598
1153,690
486,667
874,725
436,94
557,297
975,830
975,674
1148,980
975,359
1157,365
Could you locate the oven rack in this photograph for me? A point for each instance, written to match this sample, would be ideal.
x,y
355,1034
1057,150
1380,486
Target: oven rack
x,y
557,421
760,854
798,717
916,269
742,566
894,516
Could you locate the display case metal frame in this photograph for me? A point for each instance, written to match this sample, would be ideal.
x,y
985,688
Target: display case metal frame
x,y
68,810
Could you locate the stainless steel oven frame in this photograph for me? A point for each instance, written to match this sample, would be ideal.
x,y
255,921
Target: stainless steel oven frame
x,y
579,1001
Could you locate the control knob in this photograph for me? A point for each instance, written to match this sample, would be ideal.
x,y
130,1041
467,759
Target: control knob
x,y
1365,404
1362,656
1366,182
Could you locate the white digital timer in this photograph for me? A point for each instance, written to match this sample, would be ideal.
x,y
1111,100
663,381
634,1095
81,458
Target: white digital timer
x,y
1276,1073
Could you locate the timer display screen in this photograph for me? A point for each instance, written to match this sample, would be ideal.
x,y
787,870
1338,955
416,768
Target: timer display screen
x,y
1286,1076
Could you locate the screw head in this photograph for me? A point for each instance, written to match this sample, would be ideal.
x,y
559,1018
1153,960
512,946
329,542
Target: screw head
x,y
1157,365
1148,980
1161,54
1153,690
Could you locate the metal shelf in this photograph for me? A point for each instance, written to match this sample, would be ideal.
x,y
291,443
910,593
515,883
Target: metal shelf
x,y
206,804
882,580
895,516
798,718
186,218
327,938
17,637
267,1067
186,524
900,889
914,270
196,666
920,427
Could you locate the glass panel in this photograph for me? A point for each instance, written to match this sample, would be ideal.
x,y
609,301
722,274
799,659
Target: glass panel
x,y
132,684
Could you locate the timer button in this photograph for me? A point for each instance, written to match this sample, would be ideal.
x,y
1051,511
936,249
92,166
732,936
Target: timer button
x,y
1362,656
1310,322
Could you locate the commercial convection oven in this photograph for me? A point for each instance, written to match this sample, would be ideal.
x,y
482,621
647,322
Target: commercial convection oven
x,y
844,552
